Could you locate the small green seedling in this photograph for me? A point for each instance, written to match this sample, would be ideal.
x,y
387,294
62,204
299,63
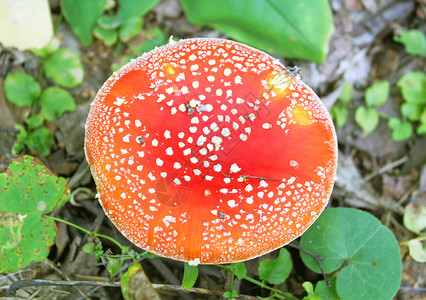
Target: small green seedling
x,y
368,117
28,192
340,110
415,221
414,41
356,247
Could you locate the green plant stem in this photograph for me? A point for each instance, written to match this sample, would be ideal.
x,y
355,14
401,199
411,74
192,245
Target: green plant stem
x,y
261,284
93,234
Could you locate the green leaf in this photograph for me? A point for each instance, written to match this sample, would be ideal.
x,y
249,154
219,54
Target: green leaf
x,y
154,37
34,121
190,276
415,217
413,87
240,270
82,16
417,250
276,271
413,40
295,29
108,36
27,191
400,130
49,48
130,28
232,294
64,67
367,119
89,248
28,187
340,114
113,266
411,111
55,102
326,292
21,138
21,88
135,8
377,94
346,93
23,239
108,22
40,140
364,249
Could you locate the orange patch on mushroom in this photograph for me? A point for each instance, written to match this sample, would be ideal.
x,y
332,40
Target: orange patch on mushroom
x,y
301,115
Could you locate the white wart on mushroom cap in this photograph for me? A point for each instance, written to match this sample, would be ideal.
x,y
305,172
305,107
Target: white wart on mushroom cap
x,y
210,151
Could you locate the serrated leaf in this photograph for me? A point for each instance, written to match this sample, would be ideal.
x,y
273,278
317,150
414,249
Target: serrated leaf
x,y
20,193
414,41
285,27
89,248
377,94
190,276
55,102
23,239
21,88
413,87
367,250
276,271
415,217
28,190
82,16
367,119
64,67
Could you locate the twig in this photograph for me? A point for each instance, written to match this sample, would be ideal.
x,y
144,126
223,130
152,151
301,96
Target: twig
x,y
39,282
318,259
386,168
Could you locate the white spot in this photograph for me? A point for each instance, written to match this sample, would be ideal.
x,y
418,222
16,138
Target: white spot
x,y
159,162
184,90
249,188
187,151
210,78
177,165
249,200
169,219
231,203
218,92
227,72
195,120
234,168
151,191
266,126
169,151
194,262
154,142
138,123
263,183
126,138
167,134
217,167
195,66
237,79
119,101
195,84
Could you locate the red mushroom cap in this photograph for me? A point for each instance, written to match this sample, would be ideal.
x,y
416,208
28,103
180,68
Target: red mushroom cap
x,y
210,151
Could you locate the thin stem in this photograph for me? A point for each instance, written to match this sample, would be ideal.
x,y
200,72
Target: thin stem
x,y
261,284
93,234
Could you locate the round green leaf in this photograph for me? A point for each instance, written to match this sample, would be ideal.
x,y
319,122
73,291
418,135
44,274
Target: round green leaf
x,y
40,140
276,271
417,250
295,29
346,93
64,67
413,87
21,88
23,239
326,292
367,119
377,94
55,102
411,111
365,249
415,217
28,187
413,40
34,121
340,114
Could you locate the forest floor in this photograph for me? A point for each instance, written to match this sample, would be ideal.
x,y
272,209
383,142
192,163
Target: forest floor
x,y
375,173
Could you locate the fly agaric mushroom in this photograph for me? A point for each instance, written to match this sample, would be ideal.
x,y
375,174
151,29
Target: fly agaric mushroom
x,y
210,151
